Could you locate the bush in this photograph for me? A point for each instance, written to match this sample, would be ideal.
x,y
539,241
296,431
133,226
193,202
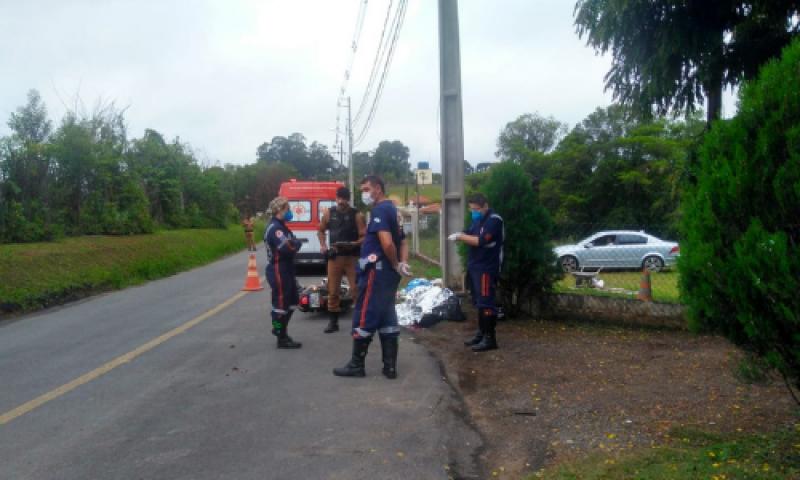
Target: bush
x,y
740,264
529,264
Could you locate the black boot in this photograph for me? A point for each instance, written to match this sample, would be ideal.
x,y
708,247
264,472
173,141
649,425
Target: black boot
x,y
479,334
389,351
474,340
333,323
489,341
281,331
355,367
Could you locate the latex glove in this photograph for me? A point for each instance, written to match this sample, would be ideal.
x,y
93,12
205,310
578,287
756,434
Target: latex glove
x,y
404,269
454,236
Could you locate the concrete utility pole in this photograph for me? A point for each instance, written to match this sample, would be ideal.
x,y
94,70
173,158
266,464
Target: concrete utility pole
x,y
350,154
452,142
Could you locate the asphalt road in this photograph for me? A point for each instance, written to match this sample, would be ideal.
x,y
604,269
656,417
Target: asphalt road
x,y
180,379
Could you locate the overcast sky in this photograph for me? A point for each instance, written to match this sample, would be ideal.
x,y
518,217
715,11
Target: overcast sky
x,y
226,76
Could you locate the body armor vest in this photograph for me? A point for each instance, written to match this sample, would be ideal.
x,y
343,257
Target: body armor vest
x,y
342,226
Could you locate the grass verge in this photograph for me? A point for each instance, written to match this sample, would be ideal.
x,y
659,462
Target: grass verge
x,y
38,275
694,454
664,285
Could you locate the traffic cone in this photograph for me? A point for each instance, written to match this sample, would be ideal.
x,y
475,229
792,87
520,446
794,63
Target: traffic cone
x,y
251,282
645,287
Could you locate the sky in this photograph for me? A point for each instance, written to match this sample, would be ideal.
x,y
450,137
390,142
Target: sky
x,y
227,76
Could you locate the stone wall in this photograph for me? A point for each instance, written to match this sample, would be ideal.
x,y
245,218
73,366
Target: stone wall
x,y
618,311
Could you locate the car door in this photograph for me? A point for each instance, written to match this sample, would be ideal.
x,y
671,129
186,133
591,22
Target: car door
x,y
599,252
630,250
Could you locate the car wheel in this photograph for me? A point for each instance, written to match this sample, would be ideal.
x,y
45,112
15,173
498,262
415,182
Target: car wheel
x,y
652,263
568,263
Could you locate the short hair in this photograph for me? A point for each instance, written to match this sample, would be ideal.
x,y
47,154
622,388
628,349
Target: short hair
x,y
277,204
343,192
478,199
374,180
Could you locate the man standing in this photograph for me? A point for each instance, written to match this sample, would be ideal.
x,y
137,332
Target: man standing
x,y
485,240
378,277
347,229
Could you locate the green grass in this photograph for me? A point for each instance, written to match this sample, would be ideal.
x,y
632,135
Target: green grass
x,y
692,454
429,246
433,192
664,285
37,275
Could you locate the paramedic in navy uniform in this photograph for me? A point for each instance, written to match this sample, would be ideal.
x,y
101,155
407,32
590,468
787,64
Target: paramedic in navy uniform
x,y
281,248
379,273
485,240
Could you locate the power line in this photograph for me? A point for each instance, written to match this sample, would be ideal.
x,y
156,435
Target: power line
x,y
384,74
362,12
379,53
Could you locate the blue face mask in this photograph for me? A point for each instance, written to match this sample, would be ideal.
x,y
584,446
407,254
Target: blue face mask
x,y
476,215
287,217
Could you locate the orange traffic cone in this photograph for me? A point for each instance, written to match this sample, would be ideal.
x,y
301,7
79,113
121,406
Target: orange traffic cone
x,y
251,282
645,287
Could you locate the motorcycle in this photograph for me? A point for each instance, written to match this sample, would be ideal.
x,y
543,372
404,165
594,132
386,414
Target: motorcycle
x,y
314,298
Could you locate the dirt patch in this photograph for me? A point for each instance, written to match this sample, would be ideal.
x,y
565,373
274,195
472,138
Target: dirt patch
x,y
555,391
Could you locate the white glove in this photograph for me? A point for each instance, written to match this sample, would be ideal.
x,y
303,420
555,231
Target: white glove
x,y
454,236
404,269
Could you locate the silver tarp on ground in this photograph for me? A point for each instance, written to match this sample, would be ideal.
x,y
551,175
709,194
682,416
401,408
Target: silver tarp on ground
x,y
419,300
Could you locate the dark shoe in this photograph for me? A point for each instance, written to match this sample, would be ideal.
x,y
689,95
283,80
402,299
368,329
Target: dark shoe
x,y
333,323
287,342
474,340
389,350
487,343
355,367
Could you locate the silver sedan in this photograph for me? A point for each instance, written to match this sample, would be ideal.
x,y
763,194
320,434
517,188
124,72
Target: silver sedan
x,y
618,249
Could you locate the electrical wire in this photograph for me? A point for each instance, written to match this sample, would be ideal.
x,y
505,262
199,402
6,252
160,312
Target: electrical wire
x,y
402,7
362,12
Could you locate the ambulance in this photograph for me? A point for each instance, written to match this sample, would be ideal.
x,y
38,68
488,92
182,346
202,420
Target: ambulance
x,y
308,201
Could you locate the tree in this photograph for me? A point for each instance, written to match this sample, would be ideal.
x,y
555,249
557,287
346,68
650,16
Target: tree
x,y
668,56
310,163
740,256
528,135
390,160
529,264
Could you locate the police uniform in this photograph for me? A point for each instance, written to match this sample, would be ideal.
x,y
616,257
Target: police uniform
x,y
282,246
483,268
377,286
343,227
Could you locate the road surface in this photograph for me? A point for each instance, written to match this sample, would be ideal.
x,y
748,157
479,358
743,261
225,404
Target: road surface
x,y
180,379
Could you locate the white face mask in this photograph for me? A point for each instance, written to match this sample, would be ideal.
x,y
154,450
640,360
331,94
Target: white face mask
x,y
366,198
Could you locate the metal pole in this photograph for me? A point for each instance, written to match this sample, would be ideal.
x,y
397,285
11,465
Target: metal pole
x,y
350,182
452,142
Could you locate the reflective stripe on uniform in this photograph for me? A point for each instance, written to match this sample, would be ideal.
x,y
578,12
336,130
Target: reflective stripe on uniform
x,y
367,294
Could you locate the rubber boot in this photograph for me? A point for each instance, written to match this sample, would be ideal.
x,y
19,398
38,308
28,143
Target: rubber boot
x,y
333,323
389,350
478,334
489,341
284,340
355,367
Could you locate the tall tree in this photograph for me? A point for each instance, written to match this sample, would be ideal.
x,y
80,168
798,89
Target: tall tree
x,y
530,134
671,55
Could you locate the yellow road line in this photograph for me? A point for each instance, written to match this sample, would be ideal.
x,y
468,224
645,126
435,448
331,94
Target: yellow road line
x,y
102,370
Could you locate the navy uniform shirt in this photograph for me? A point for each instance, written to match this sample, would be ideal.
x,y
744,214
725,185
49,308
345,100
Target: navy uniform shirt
x,y
488,255
281,242
383,218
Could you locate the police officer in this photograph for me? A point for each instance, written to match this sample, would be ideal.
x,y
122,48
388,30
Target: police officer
x,y
379,273
485,240
281,248
347,229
